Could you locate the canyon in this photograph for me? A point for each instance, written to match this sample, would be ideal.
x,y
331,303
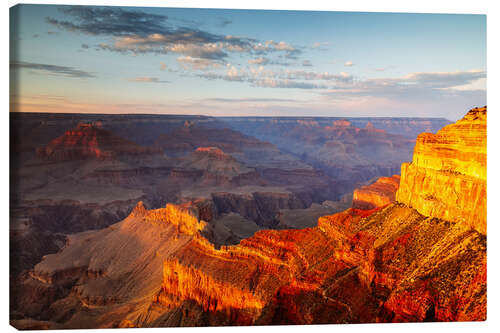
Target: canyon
x,y
76,172
352,150
409,248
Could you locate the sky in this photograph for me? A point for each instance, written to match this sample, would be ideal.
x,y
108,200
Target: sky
x,y
245,62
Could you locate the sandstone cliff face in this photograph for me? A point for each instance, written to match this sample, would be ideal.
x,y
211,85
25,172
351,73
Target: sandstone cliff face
x,y
378,194
447,178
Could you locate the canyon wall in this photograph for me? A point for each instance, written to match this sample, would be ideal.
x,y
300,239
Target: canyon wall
x,y
378,194
447,178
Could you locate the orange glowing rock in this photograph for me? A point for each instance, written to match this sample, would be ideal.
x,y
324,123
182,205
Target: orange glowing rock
x,y
378,194
447,178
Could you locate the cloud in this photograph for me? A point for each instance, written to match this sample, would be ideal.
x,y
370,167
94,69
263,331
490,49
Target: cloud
x,y
85,46
51,69
259,61
147,79
188,62
444,79
280,83
158,43
208,51
348,64
416,86
112,21
224,22
249,100
306,63
311,75
262,77
134,31
420,85
163,66
266,61
320,45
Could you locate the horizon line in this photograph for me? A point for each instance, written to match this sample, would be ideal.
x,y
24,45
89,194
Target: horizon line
x,y
210,116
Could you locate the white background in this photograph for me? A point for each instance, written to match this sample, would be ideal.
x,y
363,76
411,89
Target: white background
x,y
417,6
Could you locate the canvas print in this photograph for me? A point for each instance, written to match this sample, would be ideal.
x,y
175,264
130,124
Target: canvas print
x,y
207,167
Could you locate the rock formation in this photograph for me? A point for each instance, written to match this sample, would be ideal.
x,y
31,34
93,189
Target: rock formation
x,y
393,263
214,161
384,265
447,178
90,141
378,194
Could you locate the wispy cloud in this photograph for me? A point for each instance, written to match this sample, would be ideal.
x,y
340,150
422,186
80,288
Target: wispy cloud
x,y
134,31
266,61
147,79
344,85
259,61
250,100
415,85
286,83
348,64
223,22
322,46
188,62
262,77
109,21
51,69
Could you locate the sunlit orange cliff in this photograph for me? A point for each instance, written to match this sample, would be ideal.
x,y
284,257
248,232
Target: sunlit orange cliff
x,y
447,178
410,249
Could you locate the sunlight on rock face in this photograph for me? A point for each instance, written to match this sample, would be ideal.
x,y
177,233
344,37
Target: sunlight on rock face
x,y
447,178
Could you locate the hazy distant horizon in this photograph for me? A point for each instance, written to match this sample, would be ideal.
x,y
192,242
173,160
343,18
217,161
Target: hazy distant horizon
x,y
204,115
157,60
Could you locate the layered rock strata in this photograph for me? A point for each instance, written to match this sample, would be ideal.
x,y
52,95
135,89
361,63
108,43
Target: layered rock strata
x,y
447,178
378,194
90,141
154,269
